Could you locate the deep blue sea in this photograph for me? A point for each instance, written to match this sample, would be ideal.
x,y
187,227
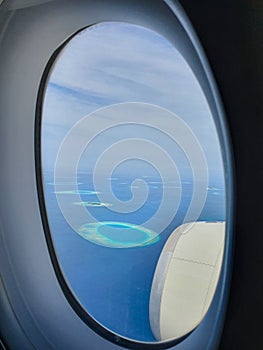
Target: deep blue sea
x,y
114,284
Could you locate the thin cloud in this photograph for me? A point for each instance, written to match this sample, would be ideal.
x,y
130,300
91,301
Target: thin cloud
x,y
114,63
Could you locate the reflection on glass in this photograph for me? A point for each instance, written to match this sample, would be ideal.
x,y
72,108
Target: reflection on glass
x,y
133,182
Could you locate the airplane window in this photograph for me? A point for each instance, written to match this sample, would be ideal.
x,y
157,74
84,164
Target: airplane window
x,y
133,181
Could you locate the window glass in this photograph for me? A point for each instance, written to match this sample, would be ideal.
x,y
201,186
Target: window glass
x,y
133,181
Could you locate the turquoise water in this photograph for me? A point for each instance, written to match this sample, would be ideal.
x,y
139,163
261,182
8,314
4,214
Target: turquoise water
x,y
118,234
109,264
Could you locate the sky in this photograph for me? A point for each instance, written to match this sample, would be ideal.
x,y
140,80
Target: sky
x,y
115,64
121,102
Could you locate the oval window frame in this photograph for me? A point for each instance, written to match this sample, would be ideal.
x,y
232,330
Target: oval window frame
x,y
178,14
78,308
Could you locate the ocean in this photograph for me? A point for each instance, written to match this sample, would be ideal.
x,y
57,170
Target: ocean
x,y
113,281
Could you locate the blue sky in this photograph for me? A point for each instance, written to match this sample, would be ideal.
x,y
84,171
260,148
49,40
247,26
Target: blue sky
x,y
113,63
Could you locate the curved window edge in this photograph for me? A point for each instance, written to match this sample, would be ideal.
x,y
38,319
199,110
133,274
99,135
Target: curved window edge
x,y
228,161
